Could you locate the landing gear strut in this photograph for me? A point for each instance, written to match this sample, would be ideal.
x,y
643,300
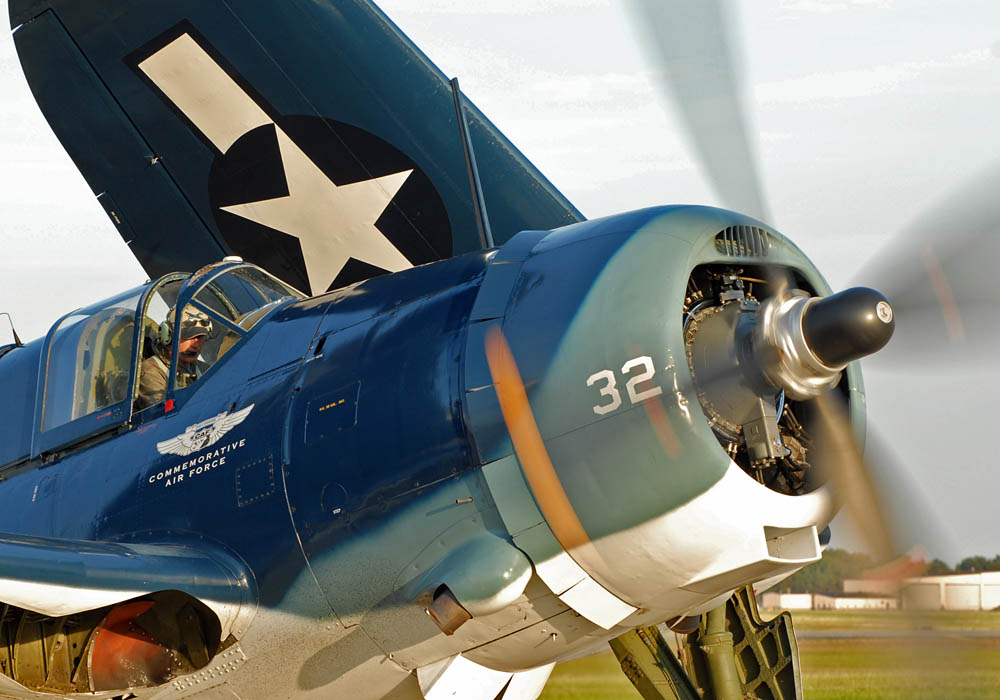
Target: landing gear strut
x,y
733,655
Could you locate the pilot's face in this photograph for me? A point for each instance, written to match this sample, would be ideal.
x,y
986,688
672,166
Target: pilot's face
x,y
189,349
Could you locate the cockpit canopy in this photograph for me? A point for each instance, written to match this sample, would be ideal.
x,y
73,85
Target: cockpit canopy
x,y
97,362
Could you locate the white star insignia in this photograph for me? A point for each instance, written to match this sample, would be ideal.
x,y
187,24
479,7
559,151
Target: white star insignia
x,y
333,223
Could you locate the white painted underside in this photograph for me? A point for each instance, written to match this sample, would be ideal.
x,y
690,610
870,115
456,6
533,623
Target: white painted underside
x,y
530,532
458,677
736,532
58,601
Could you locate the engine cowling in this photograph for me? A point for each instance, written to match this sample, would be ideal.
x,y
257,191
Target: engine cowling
x,y
595,319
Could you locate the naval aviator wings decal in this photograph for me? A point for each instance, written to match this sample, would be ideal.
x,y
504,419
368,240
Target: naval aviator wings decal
x,y
298,195
201,435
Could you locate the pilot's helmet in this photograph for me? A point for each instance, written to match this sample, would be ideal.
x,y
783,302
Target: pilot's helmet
x,y
193,324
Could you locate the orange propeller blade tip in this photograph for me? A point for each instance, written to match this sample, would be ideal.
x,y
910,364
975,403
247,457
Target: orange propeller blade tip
x,y
530,447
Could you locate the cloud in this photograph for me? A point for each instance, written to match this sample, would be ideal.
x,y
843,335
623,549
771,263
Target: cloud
x,y
826,7
518,8
868,82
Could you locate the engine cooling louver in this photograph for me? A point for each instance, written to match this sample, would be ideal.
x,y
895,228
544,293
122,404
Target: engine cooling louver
x,y
742,240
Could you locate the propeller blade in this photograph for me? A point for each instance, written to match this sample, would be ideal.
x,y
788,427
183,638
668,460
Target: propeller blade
x,y
687,42
880,497
839,459
529,446
939,275
899,529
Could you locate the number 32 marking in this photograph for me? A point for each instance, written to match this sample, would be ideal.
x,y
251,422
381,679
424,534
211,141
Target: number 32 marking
x,y
635,395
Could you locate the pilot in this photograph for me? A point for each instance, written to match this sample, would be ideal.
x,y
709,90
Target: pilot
x,y
195,327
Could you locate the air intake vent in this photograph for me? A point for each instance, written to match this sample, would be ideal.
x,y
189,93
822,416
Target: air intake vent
x,y
742,240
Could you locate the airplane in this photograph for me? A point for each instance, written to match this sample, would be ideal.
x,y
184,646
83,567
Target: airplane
x,y
494,437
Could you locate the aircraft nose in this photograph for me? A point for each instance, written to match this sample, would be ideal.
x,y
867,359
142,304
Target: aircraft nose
x,y
616,455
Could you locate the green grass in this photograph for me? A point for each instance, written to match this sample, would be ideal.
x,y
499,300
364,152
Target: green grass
x,y
891,669
893,620
593,678
949,666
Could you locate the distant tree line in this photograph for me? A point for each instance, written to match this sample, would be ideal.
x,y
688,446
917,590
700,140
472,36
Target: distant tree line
x,y
828,574
969,565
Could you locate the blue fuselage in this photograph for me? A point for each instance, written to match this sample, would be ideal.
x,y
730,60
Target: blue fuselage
x,y
356,411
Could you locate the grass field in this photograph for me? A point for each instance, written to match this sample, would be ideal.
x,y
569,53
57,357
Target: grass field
x,y
809,620
948,665
888,668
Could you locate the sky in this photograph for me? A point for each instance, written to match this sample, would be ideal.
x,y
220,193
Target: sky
x,y
865,112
